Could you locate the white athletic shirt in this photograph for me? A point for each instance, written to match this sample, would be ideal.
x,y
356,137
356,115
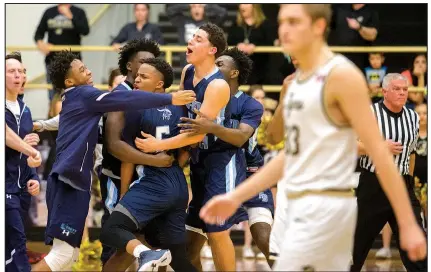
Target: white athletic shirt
x,y
319,154
14,108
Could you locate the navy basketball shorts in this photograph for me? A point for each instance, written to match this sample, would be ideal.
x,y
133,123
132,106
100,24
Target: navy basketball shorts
x,y
157,203
16,253
213,175
262,200
67,212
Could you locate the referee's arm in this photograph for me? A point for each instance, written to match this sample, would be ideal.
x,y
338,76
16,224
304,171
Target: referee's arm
x,y
412,164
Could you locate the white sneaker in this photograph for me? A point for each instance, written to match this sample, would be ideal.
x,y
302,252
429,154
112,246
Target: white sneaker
x,y
384,253
260,256
206,252
247,253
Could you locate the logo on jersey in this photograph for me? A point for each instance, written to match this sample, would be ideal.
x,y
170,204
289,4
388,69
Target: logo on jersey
x,y
195,105
263,197
166,114
67,230
9,196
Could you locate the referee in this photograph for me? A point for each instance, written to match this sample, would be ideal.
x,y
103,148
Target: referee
x,y
400,127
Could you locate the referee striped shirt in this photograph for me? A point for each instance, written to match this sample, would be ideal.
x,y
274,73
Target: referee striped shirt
x,y
402,127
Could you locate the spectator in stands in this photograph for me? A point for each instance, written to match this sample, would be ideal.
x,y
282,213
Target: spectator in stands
x,y
421,170
199,15
141,28
417,76
356,25
188,24
375,74
65,23
250,30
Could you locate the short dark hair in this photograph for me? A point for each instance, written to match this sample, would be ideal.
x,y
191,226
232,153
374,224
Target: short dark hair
x,y
14,55
134,46
147,5
164,68
242,62
59,68
216,37
114,73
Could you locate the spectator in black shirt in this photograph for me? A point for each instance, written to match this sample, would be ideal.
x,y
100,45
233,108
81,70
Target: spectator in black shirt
x,y
253,29
355,26
141,28
65,23
187,18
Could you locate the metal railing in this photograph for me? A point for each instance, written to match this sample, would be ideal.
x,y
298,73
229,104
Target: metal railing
x,y
170,49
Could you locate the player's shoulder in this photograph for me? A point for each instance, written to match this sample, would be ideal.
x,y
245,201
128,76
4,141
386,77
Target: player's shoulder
x,y
188,67
218,83
250,103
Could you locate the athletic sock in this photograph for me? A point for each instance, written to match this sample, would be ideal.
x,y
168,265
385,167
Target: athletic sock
x,y
137,251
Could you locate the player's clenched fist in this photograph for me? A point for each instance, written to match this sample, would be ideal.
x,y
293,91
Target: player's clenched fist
x,y
183,97
35,159
412,240
33,187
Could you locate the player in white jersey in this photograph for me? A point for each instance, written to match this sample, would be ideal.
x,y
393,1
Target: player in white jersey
x,y
326,103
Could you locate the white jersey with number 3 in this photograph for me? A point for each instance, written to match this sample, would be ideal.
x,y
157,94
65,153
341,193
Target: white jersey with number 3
x,y
319,154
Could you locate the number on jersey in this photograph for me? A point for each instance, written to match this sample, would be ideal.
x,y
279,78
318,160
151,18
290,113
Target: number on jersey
x,y
292,140
162,130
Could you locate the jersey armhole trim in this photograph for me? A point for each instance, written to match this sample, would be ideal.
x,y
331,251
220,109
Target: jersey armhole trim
x,y
325,111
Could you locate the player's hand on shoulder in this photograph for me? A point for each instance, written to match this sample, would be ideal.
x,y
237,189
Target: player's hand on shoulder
x,y
180,98
164,160
33,187
148,144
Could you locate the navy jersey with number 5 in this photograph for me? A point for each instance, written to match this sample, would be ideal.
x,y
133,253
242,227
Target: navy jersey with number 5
x,y
160,122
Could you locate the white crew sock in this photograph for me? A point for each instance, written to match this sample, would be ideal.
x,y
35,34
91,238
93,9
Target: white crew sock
x,y
137,251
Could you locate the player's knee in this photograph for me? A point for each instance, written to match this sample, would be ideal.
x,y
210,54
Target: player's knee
x,y
62,256
118,231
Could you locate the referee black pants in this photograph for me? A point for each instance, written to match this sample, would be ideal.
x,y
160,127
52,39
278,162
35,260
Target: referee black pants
x,y
374,210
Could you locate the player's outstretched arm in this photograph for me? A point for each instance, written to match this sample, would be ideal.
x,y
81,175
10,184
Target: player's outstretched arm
x,y
347,85
221,207
98,101
50,124
15,142
216,97
122,150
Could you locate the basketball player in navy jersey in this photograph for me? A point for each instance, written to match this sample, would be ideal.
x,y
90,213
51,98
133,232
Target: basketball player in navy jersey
x,y
246,117
68,191
213,168
115,149
156,203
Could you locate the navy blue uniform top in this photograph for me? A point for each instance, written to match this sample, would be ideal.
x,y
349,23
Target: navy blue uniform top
x,y
17,170
210,143
82,108
247,110
161,122
110,163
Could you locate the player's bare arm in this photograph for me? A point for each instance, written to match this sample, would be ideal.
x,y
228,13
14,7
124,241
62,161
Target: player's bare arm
x,y
15,142
123,151
217,96
348,89
204,125
127,169
275,129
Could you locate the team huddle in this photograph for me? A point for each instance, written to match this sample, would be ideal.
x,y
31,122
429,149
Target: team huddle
x,y
149,135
